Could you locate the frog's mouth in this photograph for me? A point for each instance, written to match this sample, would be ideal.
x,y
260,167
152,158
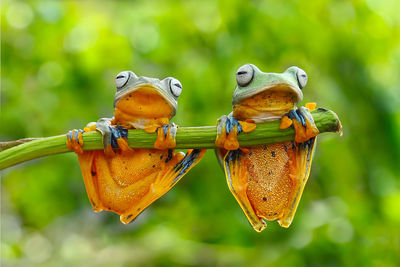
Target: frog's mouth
x,y
267,103
146,101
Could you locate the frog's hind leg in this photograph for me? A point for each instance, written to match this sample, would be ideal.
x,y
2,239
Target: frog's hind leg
x,y
236,176
176,166
89,173
299,168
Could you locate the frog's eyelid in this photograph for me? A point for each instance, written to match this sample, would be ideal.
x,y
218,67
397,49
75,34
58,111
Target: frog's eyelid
x,y
123,76
243,77
301,77
173,83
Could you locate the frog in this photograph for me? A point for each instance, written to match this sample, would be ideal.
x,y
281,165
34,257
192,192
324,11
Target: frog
x,y
267,181
127,180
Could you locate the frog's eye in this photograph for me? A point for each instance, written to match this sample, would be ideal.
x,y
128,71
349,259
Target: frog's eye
x,y
244,75
175,86
301,78
122,78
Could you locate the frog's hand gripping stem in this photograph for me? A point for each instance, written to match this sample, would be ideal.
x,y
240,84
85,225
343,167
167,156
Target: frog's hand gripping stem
x,y
302,121
176,167
236,177
228,127
75,138
114,137
166,136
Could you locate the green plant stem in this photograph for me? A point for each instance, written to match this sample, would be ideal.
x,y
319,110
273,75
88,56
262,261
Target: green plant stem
x,y
15,152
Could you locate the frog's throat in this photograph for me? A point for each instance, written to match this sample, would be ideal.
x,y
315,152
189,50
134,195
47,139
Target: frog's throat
x,y
242,95
171,101
266,105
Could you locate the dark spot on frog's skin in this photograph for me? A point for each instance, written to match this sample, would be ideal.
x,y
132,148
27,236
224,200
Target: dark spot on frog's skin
x,y
293,146
150,154
154,166
273,154
285,148
126,168
129,216
264,198
161,156
251,153
169,155
138,209
275,213
265,147
93,173
270,172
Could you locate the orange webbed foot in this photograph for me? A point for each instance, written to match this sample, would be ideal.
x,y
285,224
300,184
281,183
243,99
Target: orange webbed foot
x,y
166,136
227,130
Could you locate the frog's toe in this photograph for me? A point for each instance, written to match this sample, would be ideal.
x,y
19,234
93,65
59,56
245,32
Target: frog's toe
x,y
118,139
233,128
166,136
227,130
75,140
303,124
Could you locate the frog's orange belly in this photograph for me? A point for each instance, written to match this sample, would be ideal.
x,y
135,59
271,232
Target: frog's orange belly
x,y
123,180
269,185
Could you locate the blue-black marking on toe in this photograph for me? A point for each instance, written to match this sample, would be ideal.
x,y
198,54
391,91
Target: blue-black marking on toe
x,y
185,163
302,120
123,132
165,129
117,132
230,124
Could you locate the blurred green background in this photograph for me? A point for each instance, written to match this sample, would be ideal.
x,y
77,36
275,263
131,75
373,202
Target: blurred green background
x,y
59,60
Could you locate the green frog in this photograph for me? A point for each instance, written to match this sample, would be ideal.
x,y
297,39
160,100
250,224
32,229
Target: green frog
x,y
126,180
268,180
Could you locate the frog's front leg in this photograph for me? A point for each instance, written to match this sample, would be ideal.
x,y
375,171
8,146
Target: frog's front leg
x,y
176,166
166,136
75,138
228,127
302,121
114,136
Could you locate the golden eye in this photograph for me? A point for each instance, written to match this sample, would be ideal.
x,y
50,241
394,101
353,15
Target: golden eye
x,y
244,75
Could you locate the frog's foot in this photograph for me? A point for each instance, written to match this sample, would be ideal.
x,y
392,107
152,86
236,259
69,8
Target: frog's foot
x,y
302,121
75,140
114,137
175,168
227,130
166,136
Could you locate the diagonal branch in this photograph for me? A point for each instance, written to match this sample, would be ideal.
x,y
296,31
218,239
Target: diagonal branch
x,y
15,152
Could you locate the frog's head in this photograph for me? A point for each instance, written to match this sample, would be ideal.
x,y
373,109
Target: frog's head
x,y
144,97
266,96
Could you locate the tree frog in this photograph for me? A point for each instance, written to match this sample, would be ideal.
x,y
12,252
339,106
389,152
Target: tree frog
x,y
268,180
126,180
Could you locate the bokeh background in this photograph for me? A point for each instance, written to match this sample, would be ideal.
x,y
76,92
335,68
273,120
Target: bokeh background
x,y
59,60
